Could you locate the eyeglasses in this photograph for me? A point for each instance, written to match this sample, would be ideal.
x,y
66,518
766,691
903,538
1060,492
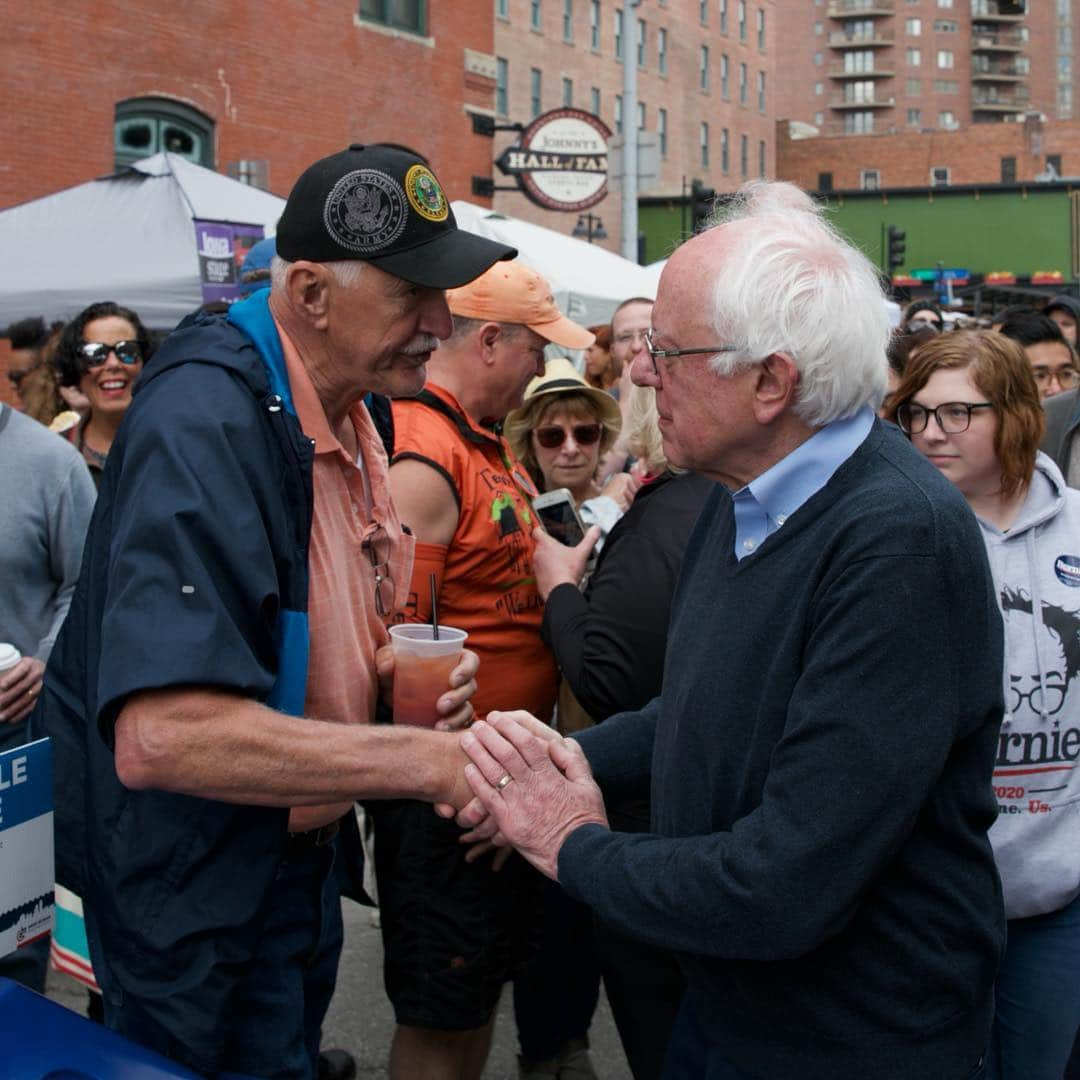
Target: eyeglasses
x,y
376,546
953,417
551,438
94,353
1067,377
669,354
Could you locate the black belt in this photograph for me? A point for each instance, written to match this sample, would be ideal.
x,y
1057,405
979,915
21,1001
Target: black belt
x,y
313,838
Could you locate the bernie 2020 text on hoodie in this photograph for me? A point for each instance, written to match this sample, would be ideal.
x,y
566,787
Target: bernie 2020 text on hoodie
x,y
1036,569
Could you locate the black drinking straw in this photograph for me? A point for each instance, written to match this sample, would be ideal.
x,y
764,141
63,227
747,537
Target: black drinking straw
x,y
434,608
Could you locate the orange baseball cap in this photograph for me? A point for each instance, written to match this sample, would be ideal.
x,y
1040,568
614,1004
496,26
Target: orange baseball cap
x,y
509,292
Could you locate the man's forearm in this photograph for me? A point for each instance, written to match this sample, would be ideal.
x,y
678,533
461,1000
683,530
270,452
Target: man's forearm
x,y
220,746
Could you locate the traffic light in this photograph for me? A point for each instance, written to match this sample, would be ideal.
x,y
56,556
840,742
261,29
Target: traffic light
x,y
701,205
896,248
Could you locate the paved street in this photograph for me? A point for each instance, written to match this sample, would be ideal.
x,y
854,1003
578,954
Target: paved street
x,y
361,1022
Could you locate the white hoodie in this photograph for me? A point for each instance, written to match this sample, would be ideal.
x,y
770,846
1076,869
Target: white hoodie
x,y
1036,568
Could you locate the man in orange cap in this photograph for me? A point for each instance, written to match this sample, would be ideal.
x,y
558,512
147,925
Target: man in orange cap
x,y
452,930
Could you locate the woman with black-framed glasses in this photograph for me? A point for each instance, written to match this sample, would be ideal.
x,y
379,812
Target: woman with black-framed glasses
x,y
101,353
969,402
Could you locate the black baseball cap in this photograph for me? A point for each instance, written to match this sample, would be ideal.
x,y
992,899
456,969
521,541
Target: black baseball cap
x,y
382,205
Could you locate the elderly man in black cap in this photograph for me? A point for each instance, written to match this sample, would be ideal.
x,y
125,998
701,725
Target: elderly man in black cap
x,y
211,693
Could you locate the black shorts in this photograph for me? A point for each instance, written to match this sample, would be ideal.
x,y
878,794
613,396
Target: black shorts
x,y
453,932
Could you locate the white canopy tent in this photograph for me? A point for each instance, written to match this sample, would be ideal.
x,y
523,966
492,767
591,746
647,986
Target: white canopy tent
x,y
128,237
589,282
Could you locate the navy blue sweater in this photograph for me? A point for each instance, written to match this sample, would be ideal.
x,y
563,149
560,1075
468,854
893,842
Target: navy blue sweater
x,y
821,757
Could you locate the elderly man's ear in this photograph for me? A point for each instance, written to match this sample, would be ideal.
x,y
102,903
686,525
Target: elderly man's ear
x,y
776,387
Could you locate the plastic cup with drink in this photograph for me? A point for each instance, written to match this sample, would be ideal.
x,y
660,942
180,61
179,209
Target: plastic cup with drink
x,y
422,666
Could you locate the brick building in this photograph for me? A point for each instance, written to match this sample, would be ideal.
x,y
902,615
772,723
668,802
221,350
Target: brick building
x,y
256,90
705,83
861,67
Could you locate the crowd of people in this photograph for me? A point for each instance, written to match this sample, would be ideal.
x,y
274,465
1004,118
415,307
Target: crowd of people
x,y
783,751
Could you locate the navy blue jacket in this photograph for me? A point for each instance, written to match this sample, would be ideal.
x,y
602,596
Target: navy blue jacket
x,y
195,572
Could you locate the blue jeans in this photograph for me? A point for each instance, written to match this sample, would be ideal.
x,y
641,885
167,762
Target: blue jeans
x,y
274,1029
1037,997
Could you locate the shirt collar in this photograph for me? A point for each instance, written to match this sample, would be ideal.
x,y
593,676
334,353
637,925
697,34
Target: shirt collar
x,y
763,505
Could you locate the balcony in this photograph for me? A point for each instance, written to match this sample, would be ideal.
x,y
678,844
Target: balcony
x,y
998,73
863,9
840,40
1005,41
999,11
839,72
1015,102
844,104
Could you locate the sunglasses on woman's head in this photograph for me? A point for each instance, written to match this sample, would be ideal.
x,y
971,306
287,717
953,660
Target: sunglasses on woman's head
x,y
550,438
95,353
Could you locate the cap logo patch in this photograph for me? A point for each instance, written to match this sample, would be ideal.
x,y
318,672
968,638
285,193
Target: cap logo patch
x,y
365,211
424,194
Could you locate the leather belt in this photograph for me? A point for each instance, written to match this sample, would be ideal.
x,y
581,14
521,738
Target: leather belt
x,y
313,838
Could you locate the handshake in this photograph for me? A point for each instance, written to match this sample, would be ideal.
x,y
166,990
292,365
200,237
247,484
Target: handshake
x,y
530,789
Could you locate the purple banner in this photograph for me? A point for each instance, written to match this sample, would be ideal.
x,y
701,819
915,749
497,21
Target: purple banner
x,y
222,248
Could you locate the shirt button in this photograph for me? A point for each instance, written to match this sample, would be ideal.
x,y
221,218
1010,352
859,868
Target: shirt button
x,y
748,544
781,518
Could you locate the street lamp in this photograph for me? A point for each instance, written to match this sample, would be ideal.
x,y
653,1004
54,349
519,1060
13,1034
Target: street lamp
x,y
590,227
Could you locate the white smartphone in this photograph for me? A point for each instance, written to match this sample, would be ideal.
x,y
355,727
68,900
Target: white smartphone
x,y
559,516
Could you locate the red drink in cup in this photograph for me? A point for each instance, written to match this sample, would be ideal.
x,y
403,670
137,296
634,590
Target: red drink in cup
x,y
422,669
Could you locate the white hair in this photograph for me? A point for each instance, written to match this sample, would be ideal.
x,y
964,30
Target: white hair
x,y
791,284
346,272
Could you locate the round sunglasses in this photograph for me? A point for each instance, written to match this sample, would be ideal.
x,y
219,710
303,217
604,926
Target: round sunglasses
x,y
94,353
550,438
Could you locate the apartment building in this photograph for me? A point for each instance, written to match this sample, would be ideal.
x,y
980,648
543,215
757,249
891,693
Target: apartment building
x,y
861,67
706,87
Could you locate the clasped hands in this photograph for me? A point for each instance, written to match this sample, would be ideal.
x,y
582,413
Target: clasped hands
x,y
532,789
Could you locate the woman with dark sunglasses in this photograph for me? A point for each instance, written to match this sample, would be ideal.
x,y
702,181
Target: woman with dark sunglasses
x,y
969,402
560,433
101,352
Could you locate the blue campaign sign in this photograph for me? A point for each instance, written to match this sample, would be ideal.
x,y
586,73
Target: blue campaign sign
x,y
26,783
26,844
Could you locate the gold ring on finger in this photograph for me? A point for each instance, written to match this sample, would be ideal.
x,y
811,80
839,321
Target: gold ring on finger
x,y
503,781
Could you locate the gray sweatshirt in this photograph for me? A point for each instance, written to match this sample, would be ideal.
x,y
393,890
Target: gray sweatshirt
x,y
1036,569
46,499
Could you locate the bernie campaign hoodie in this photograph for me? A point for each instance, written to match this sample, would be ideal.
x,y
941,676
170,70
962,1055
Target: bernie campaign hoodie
x,y
1036,570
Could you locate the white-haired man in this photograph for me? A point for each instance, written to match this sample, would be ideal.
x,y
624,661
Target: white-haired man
x,y
821,752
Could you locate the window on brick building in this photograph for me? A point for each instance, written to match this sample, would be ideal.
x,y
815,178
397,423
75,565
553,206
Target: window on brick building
x,y
618,33
858,123
725,151
725,88
761,91
703,12
947,120
641,43
939,176
761,29
703,68
869,180
1053,161
914,117
408,15
502,9
703,144
149,125
914,57
568,20
661,50
618,114
744,156
641,115
1008,170
946,26
945,58
913,27
819,89
744,88
723,16
502,80
913,87
761,158
824,181
819,119
594,25
661,130
534,91
567,93
594,100
742,20
536,20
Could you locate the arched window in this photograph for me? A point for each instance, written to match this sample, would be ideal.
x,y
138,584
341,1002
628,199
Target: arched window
x,y
148,125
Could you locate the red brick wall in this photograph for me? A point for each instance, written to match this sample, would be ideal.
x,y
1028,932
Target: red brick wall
x,y
973,155
286,82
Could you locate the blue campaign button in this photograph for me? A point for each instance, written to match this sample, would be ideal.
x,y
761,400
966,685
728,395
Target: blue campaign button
x,y
1067,568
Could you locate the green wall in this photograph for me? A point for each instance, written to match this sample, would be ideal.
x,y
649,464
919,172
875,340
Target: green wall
x,y
982,231
1021,230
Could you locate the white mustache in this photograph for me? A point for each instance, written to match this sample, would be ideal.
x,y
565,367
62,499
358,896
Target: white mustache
x,y
422,343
